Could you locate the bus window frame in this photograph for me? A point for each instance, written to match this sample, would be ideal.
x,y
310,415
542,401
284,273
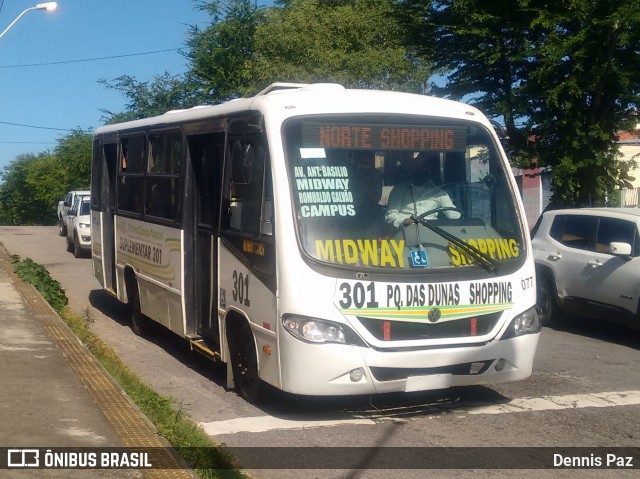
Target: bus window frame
x,y
233,134
179,176
142,214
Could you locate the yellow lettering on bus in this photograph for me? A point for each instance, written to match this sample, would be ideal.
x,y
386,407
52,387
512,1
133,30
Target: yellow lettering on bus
x,y
496,248
365,252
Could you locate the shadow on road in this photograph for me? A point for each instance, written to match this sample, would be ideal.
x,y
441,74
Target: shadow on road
x,y
611,332
389,406
163,338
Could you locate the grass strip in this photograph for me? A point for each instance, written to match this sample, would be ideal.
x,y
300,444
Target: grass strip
x,y
203,455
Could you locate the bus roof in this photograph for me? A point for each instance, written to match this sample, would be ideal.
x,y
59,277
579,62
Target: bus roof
x,y
294,99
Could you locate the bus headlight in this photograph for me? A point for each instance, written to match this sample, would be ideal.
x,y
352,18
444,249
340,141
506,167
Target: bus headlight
x,y
314,330
526,323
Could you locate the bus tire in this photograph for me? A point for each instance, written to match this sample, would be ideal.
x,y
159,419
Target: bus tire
x,y
139,323
245,366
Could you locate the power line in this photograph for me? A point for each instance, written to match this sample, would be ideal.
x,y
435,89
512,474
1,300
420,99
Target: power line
x,y
63,62
43,127
27,142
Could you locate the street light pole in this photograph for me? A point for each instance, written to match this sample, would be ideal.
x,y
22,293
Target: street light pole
x,y
41,6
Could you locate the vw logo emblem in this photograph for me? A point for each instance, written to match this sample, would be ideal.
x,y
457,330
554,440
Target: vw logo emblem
x,y
434,315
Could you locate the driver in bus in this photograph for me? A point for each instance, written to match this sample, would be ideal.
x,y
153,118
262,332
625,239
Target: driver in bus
x,y
419,194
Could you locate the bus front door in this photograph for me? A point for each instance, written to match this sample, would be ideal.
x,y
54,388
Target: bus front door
x,y
207,153
108,189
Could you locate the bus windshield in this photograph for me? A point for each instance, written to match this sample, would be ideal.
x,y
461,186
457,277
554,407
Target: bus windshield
x,y
400,193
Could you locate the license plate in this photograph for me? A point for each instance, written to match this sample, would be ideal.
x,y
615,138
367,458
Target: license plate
x,y
433,381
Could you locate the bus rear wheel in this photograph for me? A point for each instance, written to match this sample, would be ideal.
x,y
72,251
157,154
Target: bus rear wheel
x,y
245,367
139,323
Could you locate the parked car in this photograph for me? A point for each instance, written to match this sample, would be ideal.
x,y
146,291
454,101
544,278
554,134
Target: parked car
x,y
65,205
79,227
588,262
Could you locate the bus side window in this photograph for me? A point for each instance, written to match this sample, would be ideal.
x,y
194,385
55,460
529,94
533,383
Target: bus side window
x,y
130,182
247,185
163,174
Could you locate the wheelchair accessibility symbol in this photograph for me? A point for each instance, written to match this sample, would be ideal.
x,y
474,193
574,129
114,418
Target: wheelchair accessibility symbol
x,y
419,258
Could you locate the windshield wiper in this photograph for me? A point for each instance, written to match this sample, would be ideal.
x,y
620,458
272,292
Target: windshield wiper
x,y
486,261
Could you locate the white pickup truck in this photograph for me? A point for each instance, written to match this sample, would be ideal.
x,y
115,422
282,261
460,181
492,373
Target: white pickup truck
x,y
65,205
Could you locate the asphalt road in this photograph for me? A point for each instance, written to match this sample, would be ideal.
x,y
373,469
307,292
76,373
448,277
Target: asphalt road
x,y
584,392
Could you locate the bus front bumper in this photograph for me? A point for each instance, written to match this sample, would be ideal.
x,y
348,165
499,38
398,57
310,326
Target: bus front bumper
x,y
334,369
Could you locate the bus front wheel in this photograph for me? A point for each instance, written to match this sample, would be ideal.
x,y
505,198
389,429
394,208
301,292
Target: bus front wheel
x,y
245,367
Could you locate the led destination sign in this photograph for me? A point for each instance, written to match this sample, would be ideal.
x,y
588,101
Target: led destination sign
x,y
384,137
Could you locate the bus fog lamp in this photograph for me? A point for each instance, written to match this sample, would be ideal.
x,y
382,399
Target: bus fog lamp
x,y
356,375
476,367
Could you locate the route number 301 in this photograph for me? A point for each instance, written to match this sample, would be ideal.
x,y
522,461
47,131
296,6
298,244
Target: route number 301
x,y
241,288
358,295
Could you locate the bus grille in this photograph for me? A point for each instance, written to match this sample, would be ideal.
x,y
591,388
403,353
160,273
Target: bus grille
x,y
466,369
385,330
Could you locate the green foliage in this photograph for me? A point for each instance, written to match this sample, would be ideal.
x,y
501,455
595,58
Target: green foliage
x,y
563,77
38,276
32,185
358,43
221,55
165,92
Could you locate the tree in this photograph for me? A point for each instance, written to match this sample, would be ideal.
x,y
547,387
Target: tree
x,y
562,76
359,43
221,55
165,92
73,156
32,184
15,195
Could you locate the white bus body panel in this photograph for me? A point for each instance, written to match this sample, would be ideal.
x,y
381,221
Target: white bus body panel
x,y
323,369
96,247
154,252
241,291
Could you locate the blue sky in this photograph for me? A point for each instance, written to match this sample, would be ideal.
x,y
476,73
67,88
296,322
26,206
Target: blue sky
x,y
67,95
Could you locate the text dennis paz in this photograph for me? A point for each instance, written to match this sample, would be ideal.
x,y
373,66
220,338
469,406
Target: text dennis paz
x,y
593,460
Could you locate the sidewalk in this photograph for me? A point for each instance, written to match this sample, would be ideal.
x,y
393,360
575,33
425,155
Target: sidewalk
x,y
53,393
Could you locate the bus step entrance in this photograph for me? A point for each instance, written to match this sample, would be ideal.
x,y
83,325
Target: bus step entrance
x,y
202,346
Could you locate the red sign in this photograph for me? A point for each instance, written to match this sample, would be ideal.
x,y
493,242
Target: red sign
x,y
384,137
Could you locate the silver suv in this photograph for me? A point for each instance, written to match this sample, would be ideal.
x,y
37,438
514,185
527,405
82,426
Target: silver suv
x,y
588,262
